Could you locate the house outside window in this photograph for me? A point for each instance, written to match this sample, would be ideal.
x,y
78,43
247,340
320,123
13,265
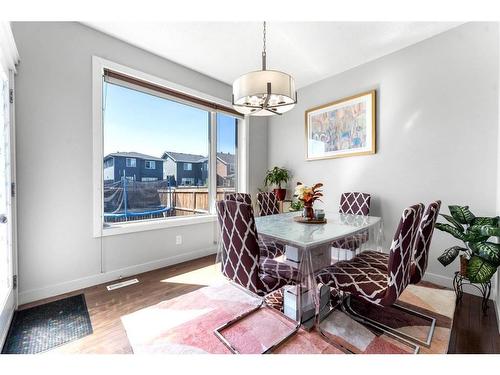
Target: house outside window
x,y
130,162
150,164
188,166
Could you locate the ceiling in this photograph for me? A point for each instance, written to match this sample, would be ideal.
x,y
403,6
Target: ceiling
x,y
309,51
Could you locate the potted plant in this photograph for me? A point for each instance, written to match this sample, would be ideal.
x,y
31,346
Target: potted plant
x,y
480,258
277,176
308,195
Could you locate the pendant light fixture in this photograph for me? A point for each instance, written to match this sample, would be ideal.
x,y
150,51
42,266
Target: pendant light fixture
x,y
264,92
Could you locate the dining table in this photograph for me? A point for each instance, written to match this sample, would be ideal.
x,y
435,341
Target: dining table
x,y
309,248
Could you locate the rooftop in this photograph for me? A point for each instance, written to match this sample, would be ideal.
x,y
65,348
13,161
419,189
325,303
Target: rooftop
x,y
132,154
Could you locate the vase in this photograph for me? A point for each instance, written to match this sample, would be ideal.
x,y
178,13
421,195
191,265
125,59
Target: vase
x,y
280,194
308,212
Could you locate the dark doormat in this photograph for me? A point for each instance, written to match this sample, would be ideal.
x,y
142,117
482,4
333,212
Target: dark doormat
x,y
44,327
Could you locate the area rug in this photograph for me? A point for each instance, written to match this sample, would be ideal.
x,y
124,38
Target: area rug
x,y
44,327
185,325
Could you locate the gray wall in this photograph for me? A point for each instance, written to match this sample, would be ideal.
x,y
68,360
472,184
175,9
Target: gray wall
x,y
57,252
437,129
257,153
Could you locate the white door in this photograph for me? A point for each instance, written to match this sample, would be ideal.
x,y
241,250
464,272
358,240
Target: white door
x,y
7,292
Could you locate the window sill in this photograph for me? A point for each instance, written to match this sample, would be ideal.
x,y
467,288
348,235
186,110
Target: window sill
x,y
124,228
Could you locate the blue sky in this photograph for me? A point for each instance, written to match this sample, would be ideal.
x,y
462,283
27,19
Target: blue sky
x,y
135,121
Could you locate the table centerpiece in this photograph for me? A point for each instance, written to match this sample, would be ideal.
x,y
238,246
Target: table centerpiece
x,y
308,195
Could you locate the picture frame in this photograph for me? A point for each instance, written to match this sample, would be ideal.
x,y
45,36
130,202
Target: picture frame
x,y
342,128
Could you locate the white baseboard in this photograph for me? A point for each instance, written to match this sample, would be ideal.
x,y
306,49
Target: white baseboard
x,y
448,282
85,282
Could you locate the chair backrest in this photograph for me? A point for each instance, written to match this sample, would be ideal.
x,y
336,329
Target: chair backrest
x,y
355,203
240,250
398,268
268,204
423,242
239,197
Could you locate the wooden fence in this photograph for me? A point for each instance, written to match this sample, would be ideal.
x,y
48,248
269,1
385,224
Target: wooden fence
x,y
188,201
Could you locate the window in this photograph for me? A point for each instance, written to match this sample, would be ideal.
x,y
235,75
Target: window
x,y
164,128
108,163
226,153
187,181
130,162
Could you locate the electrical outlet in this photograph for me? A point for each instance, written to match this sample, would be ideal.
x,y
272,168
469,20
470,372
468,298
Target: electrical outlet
x,y
178,239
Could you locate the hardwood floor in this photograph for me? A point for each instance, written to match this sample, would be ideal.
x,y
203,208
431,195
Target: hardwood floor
x,y
106,307
472,332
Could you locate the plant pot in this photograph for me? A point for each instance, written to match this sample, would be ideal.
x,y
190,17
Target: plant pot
x,y
280,194
464,262
308,212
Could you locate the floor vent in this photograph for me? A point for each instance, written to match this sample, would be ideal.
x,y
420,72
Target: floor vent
x,y
122,284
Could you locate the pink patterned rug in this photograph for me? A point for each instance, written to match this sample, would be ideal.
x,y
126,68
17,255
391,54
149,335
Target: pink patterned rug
x,y
185,325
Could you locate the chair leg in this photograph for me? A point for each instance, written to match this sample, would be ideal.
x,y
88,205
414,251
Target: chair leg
x,y
220,336
430,334
398,335
324,335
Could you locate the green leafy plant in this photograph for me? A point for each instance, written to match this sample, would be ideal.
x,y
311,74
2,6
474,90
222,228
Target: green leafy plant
x,y
296,205
277,176
475,232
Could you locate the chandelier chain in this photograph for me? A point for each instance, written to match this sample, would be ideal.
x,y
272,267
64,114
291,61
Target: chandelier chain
x,y
264,38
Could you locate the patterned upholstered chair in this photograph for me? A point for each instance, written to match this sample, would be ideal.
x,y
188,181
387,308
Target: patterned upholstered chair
x,y
354,203
420,256
239,197
241,259
371,284
241,263
420,259
267,203
268,247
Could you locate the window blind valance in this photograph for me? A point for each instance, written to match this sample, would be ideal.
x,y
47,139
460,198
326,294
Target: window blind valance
x,y
9,56
115,77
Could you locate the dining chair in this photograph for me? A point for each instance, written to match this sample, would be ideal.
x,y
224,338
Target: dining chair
x,y
268,248
419,262
242,263
239,197
241,258
353,203
267,203
374,285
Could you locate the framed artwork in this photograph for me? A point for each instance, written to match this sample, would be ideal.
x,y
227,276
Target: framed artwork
x,y
343,128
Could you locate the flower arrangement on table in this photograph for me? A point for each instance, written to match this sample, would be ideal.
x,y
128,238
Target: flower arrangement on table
x,y
308,195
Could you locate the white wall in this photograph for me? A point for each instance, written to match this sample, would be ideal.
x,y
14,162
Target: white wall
x,y
437,131
57,252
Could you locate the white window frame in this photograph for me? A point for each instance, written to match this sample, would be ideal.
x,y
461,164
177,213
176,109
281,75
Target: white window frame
x,y
98,66
151,163
132,161
185,165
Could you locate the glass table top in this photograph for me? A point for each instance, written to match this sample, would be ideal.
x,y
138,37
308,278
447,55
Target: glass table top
x,y
284,227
